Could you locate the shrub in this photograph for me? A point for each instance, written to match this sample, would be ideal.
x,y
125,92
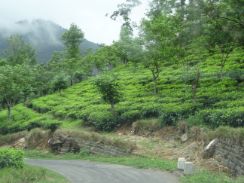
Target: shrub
x,y
216,117
169,118
130,116
109,89
195,120
104,121
10,157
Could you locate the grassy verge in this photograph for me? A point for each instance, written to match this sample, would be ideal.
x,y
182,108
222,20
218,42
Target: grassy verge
x,y
210,177
134,161
30,174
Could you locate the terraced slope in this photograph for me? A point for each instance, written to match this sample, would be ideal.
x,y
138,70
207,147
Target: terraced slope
x,y
219,101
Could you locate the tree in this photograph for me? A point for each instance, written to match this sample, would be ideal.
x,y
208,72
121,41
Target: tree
x,y
124,10
14,82
60,82
72,39
128,49
226,25
159,35
108,87
19,52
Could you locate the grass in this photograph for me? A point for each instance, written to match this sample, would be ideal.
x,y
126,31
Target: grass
x,y
210,177
30,174
236,134
134,161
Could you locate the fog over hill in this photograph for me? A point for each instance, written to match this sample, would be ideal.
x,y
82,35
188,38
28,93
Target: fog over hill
x,y
44,36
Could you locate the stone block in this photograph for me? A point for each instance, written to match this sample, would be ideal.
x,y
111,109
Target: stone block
x,y
189,168
181,163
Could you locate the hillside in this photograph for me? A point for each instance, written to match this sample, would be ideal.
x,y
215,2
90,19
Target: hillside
x,y
44,36
219,101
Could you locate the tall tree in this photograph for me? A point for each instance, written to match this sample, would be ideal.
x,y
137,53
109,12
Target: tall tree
x,y
19,52
160,33
72,39
15,81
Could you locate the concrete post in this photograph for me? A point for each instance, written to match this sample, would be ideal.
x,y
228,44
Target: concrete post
x,y
189,168
181,163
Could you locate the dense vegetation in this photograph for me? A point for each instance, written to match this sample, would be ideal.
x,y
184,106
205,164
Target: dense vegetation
x,y
29,174
186,64
11,158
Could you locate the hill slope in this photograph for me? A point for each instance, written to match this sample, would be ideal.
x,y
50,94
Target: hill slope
x,y
219,101
44,36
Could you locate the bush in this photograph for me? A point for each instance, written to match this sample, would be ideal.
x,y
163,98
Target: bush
x,y
104,121
130,116
219,117
10,157
169,118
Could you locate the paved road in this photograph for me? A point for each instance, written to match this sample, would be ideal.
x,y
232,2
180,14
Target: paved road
x,y
88,172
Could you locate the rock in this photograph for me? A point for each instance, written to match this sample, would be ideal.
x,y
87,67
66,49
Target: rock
x,y
184,137
21,143
209,150
181,163
188,168
63,144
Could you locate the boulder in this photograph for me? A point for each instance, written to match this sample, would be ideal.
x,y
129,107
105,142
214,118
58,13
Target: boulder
x,y
21,143
63,144
209,150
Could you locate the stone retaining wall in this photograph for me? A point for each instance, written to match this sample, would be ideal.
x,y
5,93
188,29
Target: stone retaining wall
x,y
231,154
61,143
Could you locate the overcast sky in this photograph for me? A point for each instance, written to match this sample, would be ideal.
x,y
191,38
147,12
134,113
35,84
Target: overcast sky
x,y
89,15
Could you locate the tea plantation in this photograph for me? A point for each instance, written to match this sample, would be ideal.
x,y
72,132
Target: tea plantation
x,y
219,99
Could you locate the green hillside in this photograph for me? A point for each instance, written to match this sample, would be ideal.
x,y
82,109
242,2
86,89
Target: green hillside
x,y
219,101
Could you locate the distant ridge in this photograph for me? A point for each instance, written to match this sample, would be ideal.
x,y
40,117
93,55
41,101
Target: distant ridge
x,y
43,35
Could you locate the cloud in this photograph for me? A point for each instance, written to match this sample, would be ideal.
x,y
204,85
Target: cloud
x,y
89,15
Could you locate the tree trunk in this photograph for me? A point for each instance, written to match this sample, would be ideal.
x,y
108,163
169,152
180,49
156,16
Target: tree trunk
x,y
155,74
195,85
225,55
113,108
9,112
155,86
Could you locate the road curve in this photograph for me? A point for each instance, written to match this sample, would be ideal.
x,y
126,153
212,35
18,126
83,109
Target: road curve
x,y
89,172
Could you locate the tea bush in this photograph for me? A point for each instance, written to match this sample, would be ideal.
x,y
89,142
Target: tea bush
x,y
10,157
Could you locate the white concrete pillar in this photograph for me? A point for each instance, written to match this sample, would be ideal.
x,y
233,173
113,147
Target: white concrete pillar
x,y
189,168
181,163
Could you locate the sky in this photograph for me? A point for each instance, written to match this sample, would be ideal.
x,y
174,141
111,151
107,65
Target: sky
x,y
89,15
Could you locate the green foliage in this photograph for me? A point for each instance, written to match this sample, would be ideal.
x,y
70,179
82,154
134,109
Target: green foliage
x,y
10,157
108,87
207,177
217,117
104,120
15,82
72,40
29,174
60,82
19,52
